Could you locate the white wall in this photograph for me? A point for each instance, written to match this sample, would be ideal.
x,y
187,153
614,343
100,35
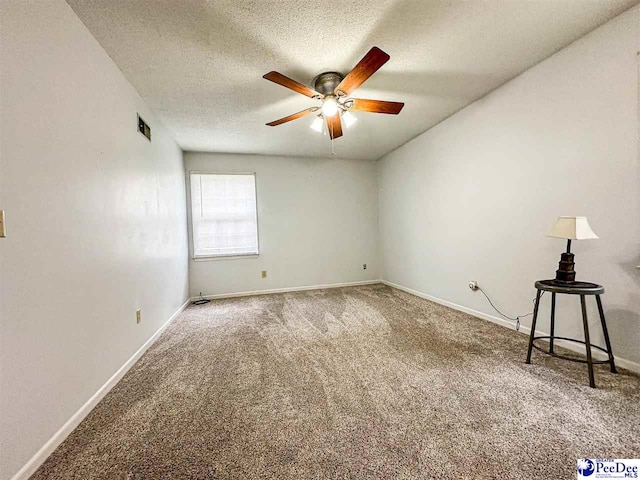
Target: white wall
x,y
96,223
473,198
317,224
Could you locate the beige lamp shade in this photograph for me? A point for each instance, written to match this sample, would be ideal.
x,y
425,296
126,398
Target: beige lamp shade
x,y
572,228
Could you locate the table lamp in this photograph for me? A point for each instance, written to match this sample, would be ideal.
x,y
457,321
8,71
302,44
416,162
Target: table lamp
x,y
571,228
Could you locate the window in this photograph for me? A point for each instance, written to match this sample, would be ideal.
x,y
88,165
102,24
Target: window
x,y
223,214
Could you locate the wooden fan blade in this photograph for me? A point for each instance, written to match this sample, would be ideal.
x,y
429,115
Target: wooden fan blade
x,y
376,106
295,116
366,67
280,79
334,125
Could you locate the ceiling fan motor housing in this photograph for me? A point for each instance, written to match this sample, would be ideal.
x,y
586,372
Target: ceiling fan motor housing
x,y
326,82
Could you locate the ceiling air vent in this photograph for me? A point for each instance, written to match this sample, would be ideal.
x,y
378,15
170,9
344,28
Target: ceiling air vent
x,y
143,128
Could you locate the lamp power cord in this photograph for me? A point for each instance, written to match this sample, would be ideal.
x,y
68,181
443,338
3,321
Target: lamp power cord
x,y
513,319
200,301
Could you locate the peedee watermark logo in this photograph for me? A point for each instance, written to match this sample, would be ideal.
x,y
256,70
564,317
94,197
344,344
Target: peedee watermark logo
x,y
585,467
608,468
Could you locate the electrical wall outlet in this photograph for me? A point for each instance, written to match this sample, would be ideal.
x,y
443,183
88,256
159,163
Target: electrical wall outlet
x,y
473,285
264,274
138,316
364,266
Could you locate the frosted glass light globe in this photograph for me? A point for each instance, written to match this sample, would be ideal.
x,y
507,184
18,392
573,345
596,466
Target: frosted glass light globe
x,y
349,119
329,107
317,124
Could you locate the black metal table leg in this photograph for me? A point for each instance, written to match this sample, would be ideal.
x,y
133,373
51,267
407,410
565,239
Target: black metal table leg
x,y
606,335
533,325
585,321
553,320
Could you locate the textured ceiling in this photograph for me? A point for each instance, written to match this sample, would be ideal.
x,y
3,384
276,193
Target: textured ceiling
x,y
199,64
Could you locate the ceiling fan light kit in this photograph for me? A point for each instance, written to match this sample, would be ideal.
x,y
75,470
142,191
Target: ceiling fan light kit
x,y
333,89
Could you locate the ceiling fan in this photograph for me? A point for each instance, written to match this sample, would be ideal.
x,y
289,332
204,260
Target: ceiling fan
x,y
334,89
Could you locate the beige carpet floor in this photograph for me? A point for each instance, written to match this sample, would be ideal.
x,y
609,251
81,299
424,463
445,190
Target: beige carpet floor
x,y
364,382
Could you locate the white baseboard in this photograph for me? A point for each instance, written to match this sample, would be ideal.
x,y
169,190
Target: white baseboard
x,y
47,449
288,289
620,362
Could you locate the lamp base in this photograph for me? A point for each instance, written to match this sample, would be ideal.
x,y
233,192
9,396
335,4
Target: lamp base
x,y
566,272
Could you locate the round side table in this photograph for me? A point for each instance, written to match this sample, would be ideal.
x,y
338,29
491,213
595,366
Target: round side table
x,y
572,288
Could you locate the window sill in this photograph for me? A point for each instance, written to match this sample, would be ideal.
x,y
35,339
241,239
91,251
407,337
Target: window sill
x,y
235,256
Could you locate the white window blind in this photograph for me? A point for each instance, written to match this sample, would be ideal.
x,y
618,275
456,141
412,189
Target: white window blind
x,y
223,214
